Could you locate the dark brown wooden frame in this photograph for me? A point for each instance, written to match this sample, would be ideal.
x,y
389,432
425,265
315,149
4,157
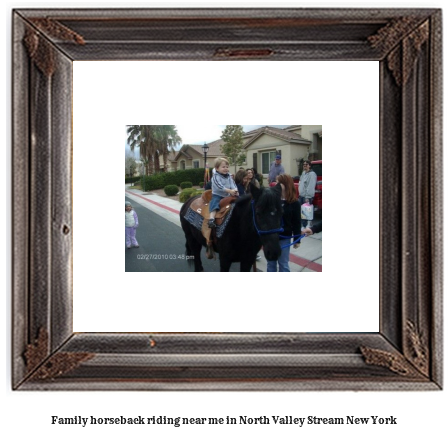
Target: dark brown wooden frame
x,y
406,354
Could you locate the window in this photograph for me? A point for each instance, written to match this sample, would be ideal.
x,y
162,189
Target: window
x,y
266,160
196,164
182,165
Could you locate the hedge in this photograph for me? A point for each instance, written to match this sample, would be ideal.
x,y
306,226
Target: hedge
x,y
160,180
186,185
171,190
188,193
132,180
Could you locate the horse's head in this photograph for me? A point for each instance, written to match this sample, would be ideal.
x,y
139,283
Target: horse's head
x,y
267,217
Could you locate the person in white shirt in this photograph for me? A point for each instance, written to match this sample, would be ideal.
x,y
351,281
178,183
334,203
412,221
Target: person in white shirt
x,y
131,224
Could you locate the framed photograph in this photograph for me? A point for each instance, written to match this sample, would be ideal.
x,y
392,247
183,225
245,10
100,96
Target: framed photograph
x,y
406,352
169,199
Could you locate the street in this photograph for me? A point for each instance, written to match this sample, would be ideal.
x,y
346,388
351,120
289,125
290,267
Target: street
x,y
162,241
162,246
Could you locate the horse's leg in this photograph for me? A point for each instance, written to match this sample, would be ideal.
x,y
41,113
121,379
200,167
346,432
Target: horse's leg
x,y
193,247
224,263
246,265
196,247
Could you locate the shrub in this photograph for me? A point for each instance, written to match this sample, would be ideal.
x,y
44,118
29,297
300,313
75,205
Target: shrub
x,y
187,194
153,182
133,179
171,190
160,180
186,185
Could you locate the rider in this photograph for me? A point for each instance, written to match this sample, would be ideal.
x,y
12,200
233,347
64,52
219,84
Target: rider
x,y
222,185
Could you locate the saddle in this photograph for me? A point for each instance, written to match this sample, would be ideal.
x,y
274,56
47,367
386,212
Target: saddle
x,y
201,206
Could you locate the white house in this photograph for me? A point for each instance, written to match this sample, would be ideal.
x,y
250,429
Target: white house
x,y
294,143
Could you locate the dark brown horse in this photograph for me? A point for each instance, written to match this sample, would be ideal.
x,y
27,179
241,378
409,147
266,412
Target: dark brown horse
x,y
255,222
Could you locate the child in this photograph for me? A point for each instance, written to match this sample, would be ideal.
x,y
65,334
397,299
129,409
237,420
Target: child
x,y
222,185
131,225
241,181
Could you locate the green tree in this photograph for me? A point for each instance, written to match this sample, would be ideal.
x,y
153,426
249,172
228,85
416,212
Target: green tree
x,y
167,138
154,141
130,165
233,145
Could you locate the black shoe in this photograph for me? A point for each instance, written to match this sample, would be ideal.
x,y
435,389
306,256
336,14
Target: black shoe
x,y
211,223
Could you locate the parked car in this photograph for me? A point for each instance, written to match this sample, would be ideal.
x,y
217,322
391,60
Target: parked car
x,y
317,201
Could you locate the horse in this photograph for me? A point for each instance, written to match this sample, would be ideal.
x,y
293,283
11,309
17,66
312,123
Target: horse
x,y
255,222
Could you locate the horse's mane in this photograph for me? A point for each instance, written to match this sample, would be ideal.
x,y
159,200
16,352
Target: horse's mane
x,y
268,199
243,199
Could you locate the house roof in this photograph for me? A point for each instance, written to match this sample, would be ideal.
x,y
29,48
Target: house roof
x,y
213,151
183,151
251,133
214,148
276,132
171,156
250,136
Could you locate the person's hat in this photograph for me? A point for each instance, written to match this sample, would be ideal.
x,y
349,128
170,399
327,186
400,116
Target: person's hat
x,y
278,157
127,203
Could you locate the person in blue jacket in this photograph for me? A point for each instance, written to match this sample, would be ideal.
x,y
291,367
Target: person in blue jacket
x,y
276,169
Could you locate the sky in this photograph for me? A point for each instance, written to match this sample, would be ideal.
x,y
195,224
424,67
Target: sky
x,y
199,134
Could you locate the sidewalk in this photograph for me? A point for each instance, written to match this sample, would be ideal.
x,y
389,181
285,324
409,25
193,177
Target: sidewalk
x,y
306,258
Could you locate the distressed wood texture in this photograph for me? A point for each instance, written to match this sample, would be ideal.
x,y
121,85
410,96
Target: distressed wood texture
x,y
406,354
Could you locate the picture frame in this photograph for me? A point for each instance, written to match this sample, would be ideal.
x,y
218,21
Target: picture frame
x,y
406,353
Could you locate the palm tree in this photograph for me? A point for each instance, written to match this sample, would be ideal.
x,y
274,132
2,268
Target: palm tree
x,y
143,137
167,138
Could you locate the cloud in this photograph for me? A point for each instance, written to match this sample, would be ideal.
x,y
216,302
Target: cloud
x,y
198,134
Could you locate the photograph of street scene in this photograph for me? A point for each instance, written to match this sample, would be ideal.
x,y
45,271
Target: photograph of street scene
x,y
223,198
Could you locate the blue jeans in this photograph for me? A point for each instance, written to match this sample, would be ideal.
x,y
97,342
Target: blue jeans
x,y
283,260
214,203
